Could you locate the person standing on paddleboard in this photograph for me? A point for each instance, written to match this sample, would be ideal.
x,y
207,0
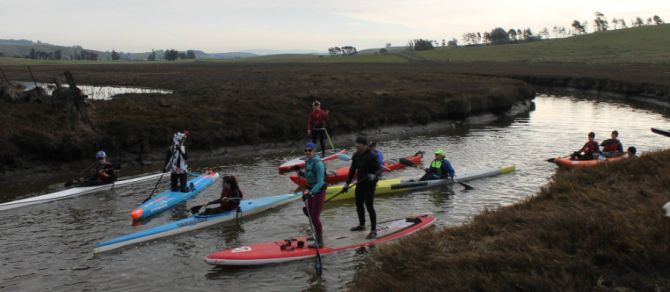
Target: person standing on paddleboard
x,y
230,197
315,174
176,162
365,165
316,124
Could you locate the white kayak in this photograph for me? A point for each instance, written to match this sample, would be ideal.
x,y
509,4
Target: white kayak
x,y
73,192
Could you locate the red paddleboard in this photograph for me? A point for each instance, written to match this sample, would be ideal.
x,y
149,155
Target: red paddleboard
x,y
299,162
294,249
340,175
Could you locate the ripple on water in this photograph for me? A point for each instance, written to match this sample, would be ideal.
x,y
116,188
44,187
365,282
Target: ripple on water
x,y
54,241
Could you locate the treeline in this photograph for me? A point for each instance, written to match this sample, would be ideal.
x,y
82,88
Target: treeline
x,y
58,55
342,51
498,35
172,55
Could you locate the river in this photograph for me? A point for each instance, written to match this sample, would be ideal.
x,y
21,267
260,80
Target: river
x,y
50,246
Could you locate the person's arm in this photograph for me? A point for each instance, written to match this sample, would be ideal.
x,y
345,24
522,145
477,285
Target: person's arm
x,y
352,171
620,149
447,168
320,179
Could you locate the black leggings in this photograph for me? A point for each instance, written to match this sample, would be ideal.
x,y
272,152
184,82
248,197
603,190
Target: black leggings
x,y
365,193
320,133
178,179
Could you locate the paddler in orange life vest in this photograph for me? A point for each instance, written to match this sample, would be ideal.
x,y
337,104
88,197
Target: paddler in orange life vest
x,y
440,168
104,171
589,151
176,162
612,147
316,124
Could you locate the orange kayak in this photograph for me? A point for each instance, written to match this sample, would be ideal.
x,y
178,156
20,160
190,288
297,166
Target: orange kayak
x,y
566,162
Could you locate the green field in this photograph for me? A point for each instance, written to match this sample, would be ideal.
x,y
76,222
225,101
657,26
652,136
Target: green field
x,y
642,45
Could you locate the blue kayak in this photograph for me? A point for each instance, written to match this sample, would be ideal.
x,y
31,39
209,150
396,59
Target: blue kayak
x,y
247,207
168,199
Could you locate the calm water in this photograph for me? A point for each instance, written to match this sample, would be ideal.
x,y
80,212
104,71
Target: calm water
x,y
50,246
97,92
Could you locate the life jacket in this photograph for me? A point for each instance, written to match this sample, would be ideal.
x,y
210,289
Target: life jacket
x,y
317,119
611,145
436,167
313,170
590,147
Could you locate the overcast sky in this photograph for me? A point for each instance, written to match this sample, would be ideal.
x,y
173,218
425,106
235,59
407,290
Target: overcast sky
x,y
223,25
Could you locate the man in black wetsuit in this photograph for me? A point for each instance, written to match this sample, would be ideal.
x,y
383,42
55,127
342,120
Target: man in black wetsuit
x,y
365,166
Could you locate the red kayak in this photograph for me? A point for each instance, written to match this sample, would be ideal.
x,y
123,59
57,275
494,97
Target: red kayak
x,y
340,175
300,161
566,162
294,249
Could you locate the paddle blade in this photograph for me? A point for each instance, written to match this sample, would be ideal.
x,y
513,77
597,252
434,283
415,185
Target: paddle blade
x,y
551,160
343,157
467,186
317,264
196,209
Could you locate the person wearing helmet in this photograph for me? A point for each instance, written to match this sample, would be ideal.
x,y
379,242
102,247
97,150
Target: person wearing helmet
x,y
176,162
315,193
316,124
590,150
376,152
365,165
440,168
104,171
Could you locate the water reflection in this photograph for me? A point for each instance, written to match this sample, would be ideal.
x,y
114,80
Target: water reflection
x,y
97,92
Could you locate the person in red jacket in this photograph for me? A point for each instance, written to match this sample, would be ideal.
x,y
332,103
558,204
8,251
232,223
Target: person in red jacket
x,y
589,151
316,125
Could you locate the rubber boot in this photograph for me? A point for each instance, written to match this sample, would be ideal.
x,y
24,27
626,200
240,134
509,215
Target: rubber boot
x,y
358,228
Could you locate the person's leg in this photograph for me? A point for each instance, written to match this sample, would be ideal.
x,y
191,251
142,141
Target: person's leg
x,y
360,200
314,133
315,205
323,147
173,182
370,206
182,182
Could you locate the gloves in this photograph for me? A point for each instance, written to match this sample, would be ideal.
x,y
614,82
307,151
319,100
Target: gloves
x,y
345,188
371,177
306,195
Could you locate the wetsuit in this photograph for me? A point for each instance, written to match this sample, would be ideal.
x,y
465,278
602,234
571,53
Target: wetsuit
x,y
316,123
439,169
315,174
234,196
367,169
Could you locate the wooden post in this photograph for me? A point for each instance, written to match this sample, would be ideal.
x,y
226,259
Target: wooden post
x,y
31,75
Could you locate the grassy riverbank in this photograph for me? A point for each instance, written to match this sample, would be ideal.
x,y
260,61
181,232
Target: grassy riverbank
x,y
600,228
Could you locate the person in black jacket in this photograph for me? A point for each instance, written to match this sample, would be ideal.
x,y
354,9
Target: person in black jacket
x,y
365,166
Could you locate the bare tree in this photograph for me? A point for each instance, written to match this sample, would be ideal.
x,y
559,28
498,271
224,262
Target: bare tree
x,y
638,22
622,22
658,20
615,22
600,22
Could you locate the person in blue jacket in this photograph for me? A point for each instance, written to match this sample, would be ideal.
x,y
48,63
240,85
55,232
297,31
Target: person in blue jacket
x,y
440,168
377,152
315,174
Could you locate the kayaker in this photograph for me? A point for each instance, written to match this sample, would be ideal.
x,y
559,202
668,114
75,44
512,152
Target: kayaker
x,y
612,147
631,152
377,153
365,165
176,162
316,124
230,197
589,151
440,168
315,193
104,171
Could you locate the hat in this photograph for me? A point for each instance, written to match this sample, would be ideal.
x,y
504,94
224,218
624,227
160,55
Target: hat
x,y
440,152
372,144
187,133
362,140
100,155
310,145
316,102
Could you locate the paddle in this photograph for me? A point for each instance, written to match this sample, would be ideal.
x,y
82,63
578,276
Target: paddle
x,y
72,181
409,163
304,209
317,263
196,209
328,136
161,177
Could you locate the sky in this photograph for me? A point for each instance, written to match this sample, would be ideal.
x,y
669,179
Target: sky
x,y
225,26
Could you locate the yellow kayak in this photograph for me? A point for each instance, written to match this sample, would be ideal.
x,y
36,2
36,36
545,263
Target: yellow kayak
x,y
398,185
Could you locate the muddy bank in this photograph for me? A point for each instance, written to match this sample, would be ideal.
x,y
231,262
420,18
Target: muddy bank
x,y
590,229
225,105
633,82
